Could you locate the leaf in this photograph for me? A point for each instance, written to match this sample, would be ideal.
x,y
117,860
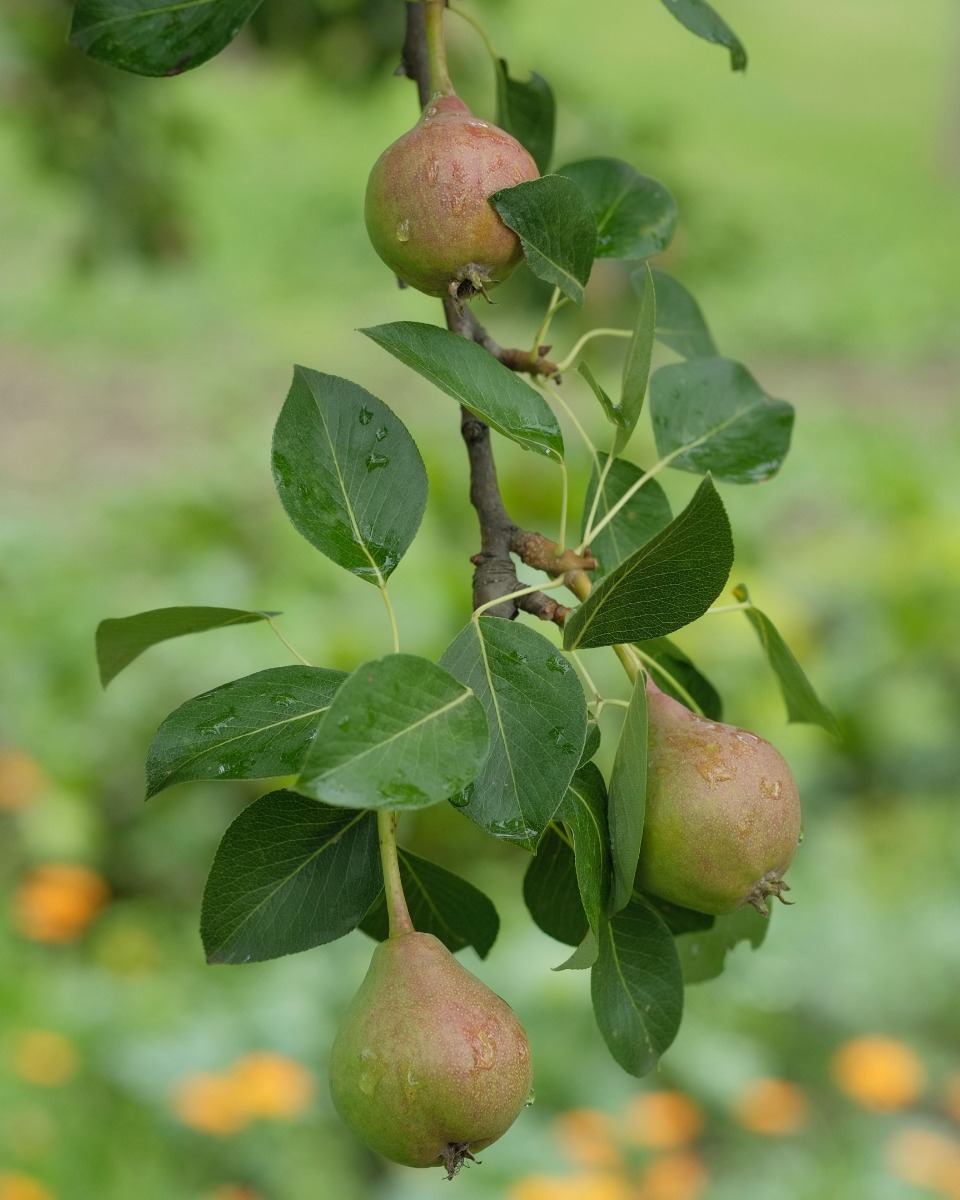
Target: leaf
x,y
635,214
556,227
628,795
440,903
703,953
637,988
677,919
592,741
475,379
584,810
680,323
153,37
122,639
253,728
537,714
585,955
702,20
611,410
349,474
710,414
636,367
400,733
803,703
550,890
528,112
641,518
672,671
289,874
664,585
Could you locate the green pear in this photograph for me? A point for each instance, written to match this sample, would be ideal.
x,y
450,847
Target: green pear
x,y
722,819
429,1065
427,204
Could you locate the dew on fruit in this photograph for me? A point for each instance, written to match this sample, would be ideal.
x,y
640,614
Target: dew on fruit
x,y
366,416
433,171
373,461
403,230
531,1098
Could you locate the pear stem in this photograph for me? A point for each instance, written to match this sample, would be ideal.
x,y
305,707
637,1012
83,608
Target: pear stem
x,y
440,84
397,911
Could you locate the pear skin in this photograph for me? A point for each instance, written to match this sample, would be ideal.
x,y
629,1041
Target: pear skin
x,y
429,1065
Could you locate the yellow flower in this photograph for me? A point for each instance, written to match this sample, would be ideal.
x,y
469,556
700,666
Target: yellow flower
x,y
572,1187
14,1186
588,1139
926,1159
22,781
663,1120
771,1106
44,1058
57,901
879,1073
674,1177
271,1085
210,1103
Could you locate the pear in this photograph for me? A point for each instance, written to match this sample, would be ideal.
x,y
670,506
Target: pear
x,y
427,204
723,813
429,1065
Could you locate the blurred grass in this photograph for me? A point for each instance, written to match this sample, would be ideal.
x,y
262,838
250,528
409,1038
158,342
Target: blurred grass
x,y
820,208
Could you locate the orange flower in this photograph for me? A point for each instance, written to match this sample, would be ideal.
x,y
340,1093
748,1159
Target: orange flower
x,y
571,1187
210,1103
44,1058
663,1120
771,1106
22,781
587,1138
270,1085
881,1074
674,1177
926,1159
14,1186
57,901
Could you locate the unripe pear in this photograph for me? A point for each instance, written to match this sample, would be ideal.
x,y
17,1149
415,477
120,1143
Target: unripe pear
x,y
429,1065
427,207
723,813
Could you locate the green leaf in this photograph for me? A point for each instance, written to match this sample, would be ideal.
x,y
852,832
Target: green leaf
x,y
803,703
664,585
584,810
585,955
475,379
538,719
637,988
680,323
636,367
289,874
157,37
641,518
635,214
610,409
628,795
253,728
550,890
672,671
710,414
702,20
592,741
556,227
677,919
400,733
703,953
349,474
122,639
528,112
440,903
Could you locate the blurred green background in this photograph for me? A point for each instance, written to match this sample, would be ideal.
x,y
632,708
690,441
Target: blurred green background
x,y
169,248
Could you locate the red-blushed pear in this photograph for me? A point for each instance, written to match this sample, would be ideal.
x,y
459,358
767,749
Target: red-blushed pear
x,y
722,821
429,1065
427,207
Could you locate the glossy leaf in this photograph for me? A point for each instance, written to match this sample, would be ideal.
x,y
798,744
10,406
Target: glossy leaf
x,y
556,227
641,518
703,953
584,811
628,795
611,410
585,955
637,988
710,414
537,716
674,673
475,379
664,585
157,37
253,728
349,474
636,366
289,874
122,639
706,23
803,703
528,111
677,919
635,214
400,733
550,890
680,323
440,903
592,742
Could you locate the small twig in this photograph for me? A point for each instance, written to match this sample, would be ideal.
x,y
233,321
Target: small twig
x,y
461,320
